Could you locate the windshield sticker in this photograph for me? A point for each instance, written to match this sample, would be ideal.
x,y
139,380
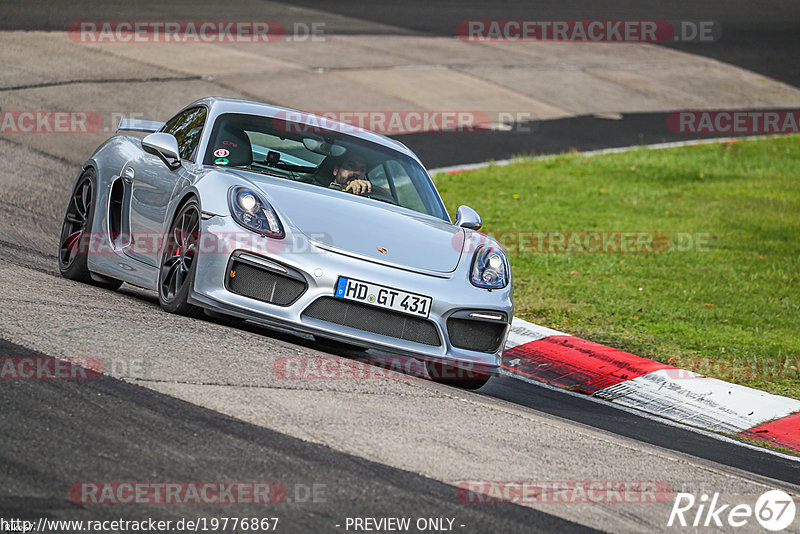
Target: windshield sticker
x,y
221,161
221,153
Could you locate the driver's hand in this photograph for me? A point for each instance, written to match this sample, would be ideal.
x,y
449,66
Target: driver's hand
x,y
358,187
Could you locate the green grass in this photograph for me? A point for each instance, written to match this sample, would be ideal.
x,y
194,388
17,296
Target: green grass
x,y
723,298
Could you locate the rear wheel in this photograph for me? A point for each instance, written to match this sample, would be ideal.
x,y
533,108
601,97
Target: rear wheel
x,y
76,234
179,262
455,376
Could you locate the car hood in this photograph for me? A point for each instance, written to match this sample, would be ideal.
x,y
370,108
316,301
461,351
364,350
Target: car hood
x,y
364,227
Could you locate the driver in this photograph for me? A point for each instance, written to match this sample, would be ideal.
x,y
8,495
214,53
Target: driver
x,y
351,176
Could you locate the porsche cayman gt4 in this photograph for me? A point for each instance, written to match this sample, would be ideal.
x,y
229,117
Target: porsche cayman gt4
x,y
293,220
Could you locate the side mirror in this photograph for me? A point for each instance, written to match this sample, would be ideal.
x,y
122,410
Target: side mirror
x,y
165,146
467,217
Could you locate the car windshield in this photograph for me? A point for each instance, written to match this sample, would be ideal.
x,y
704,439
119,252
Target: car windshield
x,y
322,157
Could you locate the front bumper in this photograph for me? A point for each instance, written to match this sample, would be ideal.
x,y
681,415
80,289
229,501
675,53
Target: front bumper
x,y
453,296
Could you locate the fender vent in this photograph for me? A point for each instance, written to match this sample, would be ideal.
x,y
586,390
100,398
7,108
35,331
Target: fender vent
x,y
263,284
482,336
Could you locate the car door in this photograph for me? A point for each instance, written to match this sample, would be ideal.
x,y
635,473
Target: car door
x,y
153,185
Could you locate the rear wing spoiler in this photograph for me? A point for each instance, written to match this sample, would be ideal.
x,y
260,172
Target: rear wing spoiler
x,y
139,125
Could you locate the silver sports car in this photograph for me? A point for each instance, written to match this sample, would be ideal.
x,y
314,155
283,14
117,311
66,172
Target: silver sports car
x,y
293,220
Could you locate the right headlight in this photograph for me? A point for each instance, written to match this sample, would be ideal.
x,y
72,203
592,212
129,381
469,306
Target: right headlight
x,y
489,268
253,212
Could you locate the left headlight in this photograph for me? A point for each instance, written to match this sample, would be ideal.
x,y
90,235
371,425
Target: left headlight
x,y
253,212
489,268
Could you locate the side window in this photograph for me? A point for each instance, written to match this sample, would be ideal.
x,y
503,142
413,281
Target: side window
x,y
187,127
407,193
378,177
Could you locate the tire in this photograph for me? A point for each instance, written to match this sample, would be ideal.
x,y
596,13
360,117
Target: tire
x,y
179,262
76,234
454,376
332,344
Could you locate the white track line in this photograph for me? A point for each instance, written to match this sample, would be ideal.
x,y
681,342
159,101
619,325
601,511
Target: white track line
x,y
589,153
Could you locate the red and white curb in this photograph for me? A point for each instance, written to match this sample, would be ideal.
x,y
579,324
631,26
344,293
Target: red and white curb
x,y
566,361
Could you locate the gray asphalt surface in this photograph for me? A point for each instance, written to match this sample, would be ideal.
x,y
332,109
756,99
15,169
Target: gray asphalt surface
x,y
106,430
195,400
764,40
760,38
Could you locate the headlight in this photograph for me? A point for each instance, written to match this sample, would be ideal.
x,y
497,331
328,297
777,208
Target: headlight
x,y
253,212
489,268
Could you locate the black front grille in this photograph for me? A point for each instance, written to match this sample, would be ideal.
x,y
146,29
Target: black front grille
x,y
262,284
482,336
374,319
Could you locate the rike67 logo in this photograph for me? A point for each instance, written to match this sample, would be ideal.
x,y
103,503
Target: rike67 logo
x,y
774,511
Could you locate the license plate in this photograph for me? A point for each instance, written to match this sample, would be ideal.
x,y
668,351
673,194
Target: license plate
x,y
383,297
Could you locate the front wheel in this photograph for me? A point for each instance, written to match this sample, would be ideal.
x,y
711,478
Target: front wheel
x,y
76,234
455,376
179,262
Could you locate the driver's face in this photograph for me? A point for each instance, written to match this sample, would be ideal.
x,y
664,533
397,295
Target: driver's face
x,y
352,169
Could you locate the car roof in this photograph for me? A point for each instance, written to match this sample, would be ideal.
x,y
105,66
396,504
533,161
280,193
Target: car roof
x,y
219,105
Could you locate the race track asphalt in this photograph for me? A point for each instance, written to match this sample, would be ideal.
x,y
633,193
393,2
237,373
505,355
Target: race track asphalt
x,y
198,400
